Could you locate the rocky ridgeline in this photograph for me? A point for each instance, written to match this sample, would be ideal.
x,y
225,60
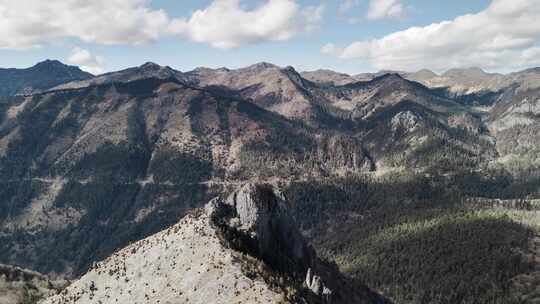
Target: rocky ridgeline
x,y
241,249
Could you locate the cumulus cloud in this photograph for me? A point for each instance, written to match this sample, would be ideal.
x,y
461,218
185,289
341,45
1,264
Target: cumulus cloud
x,y
33,23
86,61
504,35
223,24
226,24
379,9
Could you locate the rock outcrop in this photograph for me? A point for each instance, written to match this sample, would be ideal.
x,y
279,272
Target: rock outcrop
x,y
262,214
244,248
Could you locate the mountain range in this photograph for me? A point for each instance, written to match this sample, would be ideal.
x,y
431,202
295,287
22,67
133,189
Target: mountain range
x,y
93,164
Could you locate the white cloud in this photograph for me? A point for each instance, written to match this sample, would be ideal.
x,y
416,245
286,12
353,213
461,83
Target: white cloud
x,y
32,23
504,35
379,9
225,24
86,61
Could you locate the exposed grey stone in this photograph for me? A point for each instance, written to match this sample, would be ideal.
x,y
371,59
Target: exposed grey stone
x,y
262,213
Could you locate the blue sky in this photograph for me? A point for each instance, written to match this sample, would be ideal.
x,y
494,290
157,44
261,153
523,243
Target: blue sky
x,y
301,47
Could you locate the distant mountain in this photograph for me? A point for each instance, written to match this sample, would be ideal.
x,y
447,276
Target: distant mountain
x,y
458,82
242,249
280,90
42,76
147,70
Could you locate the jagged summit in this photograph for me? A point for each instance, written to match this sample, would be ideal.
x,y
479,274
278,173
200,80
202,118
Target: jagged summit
x,y
241,249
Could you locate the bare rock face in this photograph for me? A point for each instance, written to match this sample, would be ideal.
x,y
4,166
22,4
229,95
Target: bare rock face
x,y
261,214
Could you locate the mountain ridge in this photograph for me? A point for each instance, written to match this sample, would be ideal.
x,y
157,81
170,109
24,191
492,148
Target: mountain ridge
x,y
244,248
42,76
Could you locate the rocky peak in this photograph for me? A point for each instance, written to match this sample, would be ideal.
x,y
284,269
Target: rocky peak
x,y
256,220
260,215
